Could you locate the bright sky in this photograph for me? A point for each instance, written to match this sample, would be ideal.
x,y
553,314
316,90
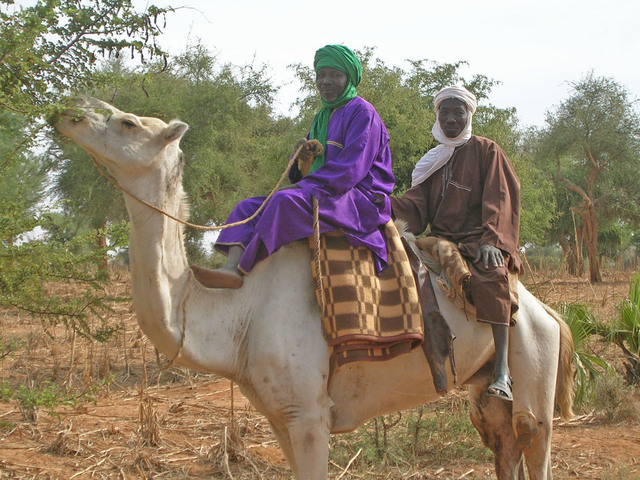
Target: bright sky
x,y
534,48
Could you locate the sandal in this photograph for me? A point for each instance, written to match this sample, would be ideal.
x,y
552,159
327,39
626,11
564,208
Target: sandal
x,y
501,388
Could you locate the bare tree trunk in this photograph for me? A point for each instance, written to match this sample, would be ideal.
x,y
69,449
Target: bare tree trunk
x,y
591,243
577,246
570,257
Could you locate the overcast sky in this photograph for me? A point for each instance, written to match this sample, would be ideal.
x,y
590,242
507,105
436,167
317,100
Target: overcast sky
x,y
534,48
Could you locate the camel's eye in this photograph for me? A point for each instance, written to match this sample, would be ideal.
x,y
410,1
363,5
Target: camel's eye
x,y
128,124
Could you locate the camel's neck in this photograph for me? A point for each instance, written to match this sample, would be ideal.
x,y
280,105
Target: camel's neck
x,y
159,269
166,298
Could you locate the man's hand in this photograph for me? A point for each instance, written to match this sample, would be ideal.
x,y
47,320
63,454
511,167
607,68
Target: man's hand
x,y
310,149
490,256
305,153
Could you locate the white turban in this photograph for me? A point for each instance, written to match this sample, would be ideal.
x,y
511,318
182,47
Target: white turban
x,y
438,156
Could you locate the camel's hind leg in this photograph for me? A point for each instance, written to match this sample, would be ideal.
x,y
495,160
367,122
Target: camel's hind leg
x,y
534,350
492,419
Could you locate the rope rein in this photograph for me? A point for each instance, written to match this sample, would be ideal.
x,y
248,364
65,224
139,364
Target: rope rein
x,y
113,182
193,225
316,258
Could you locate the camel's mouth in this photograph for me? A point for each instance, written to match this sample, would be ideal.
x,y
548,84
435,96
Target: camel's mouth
x,y
81,110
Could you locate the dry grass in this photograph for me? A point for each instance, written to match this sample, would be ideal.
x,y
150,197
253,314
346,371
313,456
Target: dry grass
x,y
119,415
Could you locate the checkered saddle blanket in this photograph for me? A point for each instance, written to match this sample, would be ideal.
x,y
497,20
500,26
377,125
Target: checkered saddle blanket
x,y
366,317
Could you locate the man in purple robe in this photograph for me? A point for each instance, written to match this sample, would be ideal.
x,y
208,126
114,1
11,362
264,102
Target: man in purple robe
x,y
352,180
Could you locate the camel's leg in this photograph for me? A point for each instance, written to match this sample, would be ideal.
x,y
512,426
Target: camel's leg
x,y
282,436
492,418
534,438
300,415
310,440
534,348
304,438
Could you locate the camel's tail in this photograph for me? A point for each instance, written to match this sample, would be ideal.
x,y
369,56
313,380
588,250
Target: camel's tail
x,y
565,380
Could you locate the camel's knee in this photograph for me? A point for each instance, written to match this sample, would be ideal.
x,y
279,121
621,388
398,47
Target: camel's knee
x,y
526,428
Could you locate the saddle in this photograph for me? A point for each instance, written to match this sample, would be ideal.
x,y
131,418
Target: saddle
x,y
366,317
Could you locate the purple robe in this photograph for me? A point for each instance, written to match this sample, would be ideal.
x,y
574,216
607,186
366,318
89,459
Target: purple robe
x,y
352,188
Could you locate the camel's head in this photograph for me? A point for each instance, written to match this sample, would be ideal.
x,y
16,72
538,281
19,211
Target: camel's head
x,y
121,141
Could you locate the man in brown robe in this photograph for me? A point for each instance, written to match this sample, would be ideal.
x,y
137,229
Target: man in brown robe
x,y
466,191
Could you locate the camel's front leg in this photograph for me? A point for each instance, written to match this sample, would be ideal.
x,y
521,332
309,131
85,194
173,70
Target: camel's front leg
x,y
302,430
304,439
293,396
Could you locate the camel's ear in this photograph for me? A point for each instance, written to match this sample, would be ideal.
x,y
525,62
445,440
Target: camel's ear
x,y
174,131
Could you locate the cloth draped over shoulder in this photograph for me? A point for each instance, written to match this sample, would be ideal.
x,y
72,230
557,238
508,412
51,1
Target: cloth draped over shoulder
x,y
438,156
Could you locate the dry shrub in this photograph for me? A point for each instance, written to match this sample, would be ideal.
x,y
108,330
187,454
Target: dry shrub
x,y
615,401
149,426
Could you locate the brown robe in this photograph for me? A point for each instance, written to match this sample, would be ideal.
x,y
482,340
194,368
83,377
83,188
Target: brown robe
x,y
473,200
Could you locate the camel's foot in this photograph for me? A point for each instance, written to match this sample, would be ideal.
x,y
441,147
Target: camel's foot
x,y
219,278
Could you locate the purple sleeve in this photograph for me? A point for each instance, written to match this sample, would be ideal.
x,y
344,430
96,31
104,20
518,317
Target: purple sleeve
x,y
345,170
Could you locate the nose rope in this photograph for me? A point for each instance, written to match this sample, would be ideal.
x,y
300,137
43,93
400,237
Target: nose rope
x,y
113,182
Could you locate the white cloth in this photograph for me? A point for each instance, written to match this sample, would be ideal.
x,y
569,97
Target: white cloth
x,y
438,156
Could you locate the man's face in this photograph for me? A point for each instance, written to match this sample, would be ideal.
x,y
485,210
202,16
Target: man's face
x,y
331,82
453,116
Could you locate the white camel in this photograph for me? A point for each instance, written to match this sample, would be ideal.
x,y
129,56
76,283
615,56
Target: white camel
x,y
266,336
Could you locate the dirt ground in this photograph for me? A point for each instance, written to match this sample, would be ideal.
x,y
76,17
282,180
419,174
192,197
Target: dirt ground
x,y
147,423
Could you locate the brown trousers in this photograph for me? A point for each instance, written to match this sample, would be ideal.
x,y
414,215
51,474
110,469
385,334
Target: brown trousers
x,y
494,293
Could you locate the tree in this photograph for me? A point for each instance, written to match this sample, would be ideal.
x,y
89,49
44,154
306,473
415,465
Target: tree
x,y
592,144
234,148
53,47
47,51
24,177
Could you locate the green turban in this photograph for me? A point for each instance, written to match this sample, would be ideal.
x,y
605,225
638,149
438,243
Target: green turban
x,y
343,59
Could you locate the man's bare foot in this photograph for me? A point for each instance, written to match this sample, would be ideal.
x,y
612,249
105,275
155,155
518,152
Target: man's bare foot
x,y
220,278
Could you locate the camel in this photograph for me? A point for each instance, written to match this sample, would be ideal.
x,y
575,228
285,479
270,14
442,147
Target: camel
x,y
272,346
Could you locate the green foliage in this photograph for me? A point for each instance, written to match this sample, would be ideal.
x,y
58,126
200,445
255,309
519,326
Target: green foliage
x,y
53,47
49,396
625,331
30,400
613,238
432,434
49,49
87,199
30,270
614,399
537,202
627,325
589,366
8,347
591,147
